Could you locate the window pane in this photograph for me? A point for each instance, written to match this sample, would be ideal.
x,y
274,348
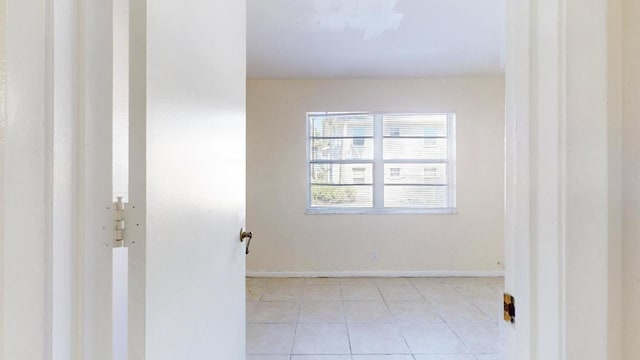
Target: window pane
x,y
341,125
415,196
414,160
428,174
342,149
415,125
418,149
340,174
341,196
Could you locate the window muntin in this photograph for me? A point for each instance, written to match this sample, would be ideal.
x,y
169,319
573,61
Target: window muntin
x,y
381,162
342,185
341,149
422,174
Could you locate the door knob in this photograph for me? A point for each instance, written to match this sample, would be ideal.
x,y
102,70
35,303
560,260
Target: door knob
x,y
246,235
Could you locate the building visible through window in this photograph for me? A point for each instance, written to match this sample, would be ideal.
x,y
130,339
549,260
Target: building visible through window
x,y
377,162
358,175
358,134
430,175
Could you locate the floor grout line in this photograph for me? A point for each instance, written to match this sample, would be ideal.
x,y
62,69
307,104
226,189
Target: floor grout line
x,y
295,331
346,322
395,322
394,319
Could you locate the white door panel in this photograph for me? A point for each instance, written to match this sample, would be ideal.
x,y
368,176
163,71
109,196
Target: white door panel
x,y
195,178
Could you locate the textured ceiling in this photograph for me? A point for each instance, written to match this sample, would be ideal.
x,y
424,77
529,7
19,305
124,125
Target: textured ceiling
x,y
374,38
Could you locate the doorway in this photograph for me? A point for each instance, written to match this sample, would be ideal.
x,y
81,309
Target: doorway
x,y
420,258
543,107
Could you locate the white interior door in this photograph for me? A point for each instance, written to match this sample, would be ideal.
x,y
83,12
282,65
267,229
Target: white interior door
x,y
187,179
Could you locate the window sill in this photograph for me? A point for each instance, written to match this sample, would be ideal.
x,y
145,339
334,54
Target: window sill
x,y
387,211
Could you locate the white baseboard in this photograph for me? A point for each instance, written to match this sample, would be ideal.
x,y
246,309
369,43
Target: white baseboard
x,y
298,274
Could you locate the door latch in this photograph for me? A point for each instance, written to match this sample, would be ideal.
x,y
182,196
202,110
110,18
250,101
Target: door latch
x,y
509,308
246,235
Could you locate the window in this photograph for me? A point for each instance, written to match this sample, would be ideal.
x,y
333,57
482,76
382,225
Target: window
x,y
381,163
430,175
358,136
431,137
358,175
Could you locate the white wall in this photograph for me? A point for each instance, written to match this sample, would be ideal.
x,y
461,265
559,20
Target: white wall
x,y
615,180
631,180
50,179
287,240
3,122
25,136
3,119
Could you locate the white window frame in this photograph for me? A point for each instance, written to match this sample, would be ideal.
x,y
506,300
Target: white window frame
x,y
378,169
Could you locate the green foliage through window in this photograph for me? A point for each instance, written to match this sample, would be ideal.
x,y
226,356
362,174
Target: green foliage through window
x,y
331,195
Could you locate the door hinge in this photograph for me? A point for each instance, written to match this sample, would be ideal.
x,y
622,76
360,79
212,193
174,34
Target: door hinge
x,y
119,223
509,308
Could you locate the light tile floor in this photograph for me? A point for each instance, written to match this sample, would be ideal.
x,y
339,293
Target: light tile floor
x,y
374,319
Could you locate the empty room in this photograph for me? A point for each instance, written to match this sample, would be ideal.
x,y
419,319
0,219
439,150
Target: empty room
x,y
375,179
